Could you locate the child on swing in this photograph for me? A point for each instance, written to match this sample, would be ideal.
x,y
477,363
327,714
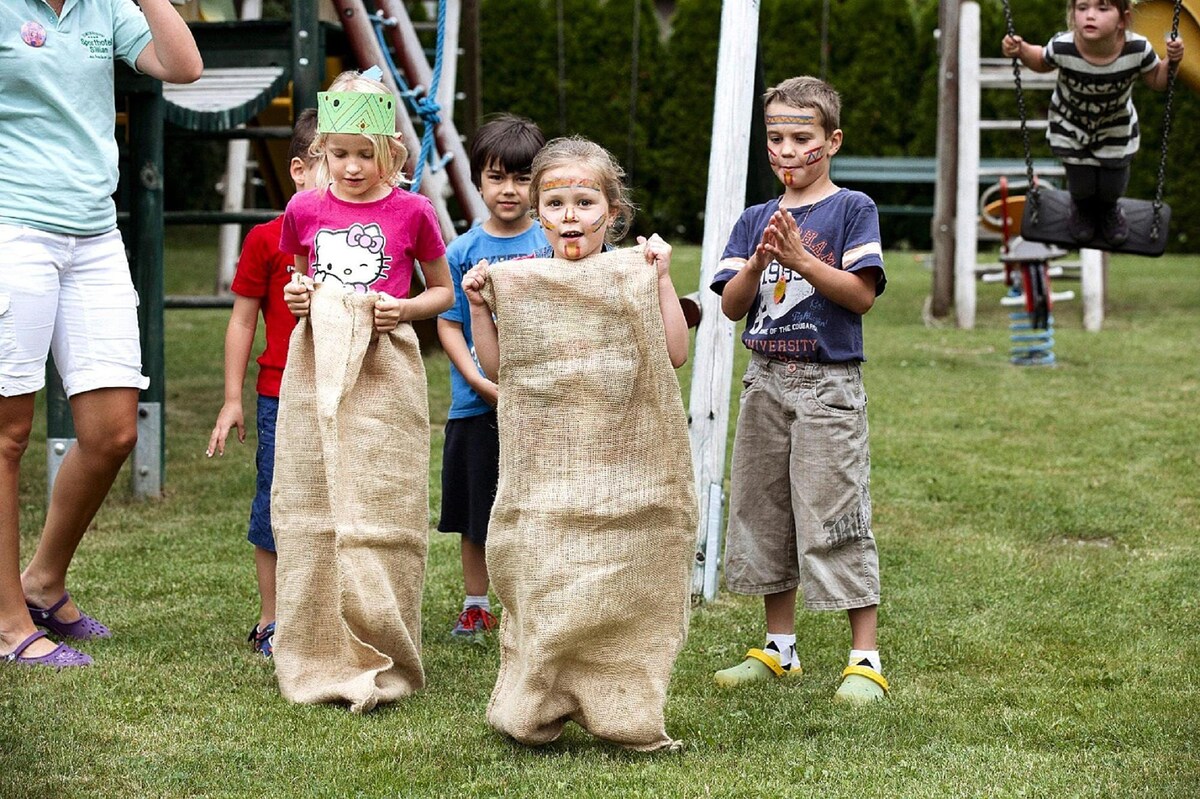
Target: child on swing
x,y
1093,124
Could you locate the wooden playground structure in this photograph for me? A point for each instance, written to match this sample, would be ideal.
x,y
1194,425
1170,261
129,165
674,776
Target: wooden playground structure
x,y
959,211
258,73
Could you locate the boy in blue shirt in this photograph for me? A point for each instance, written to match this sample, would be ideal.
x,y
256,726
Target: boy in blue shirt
x,y
805,268
502,152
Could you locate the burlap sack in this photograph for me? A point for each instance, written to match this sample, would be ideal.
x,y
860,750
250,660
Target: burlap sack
x,y
350,507
591,536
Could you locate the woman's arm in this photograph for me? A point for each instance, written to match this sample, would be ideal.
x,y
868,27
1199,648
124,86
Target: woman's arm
x,y
171,54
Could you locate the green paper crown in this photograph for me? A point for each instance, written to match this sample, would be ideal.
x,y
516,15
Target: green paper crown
x,y
356,112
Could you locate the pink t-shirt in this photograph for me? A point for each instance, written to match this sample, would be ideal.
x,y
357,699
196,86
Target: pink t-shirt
x,y
364,246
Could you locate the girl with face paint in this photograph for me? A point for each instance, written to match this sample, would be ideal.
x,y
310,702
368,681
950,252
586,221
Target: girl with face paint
x,y
579,198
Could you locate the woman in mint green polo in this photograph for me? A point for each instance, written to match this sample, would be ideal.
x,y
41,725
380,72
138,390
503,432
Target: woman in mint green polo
x,y
65,283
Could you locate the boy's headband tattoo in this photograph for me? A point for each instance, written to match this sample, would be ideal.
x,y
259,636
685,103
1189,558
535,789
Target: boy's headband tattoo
x,y
356,112
790,119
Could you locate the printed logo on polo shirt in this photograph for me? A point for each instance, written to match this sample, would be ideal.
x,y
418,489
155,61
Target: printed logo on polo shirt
x,y
97,44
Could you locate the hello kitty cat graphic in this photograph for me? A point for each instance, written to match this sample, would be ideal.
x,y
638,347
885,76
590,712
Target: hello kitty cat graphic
x,y
778,304
354,257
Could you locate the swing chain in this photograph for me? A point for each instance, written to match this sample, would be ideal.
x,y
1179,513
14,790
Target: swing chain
x,y
1022,111
1172,70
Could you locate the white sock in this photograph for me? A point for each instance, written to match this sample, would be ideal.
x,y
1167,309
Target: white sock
x,y
784,646
477,602
857,656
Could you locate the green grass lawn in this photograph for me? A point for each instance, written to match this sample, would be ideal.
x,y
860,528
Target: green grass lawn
x,y
1039,547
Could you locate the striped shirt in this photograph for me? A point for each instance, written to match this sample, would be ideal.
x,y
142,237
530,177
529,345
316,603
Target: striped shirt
x,y
1092,118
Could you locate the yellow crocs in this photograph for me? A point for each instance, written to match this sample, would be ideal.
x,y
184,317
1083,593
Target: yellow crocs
x,y
757,667
861,685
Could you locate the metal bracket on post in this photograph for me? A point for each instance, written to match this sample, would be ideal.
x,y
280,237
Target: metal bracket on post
x,y
56,451
147,455
712,541
60,425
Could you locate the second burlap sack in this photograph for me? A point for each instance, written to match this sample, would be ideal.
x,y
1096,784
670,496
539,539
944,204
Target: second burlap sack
x,y
350,507
591,537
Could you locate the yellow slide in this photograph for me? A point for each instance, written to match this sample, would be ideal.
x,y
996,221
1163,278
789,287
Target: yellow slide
x,y
1152,19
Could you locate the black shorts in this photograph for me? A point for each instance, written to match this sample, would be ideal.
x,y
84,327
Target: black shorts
x,y
470,469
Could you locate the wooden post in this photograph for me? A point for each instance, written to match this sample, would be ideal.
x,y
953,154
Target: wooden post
x,y
448,87
713,362
472,68
1092,267
944,195
966,216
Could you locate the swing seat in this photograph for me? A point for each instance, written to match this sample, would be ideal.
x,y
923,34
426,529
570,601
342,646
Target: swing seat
x,y
1054,208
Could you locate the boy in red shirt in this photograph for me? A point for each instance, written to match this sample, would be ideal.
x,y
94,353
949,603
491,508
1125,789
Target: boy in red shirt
x,y
262,272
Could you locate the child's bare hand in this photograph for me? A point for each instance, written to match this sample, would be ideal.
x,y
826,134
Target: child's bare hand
x,y
229,418
388,313
473,282
297,294
785,243
657,252
1011,46
488,391
1174,50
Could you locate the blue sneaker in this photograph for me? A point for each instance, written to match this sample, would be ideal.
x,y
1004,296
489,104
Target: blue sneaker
x,y
473,624
263,640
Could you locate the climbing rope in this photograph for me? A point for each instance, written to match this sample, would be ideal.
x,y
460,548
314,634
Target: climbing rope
x,y
422,102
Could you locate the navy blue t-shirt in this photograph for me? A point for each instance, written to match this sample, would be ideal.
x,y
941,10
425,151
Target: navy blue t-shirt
x,y
792,321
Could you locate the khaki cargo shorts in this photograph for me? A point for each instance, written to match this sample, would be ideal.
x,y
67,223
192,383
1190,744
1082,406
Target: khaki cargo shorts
x,y
800,501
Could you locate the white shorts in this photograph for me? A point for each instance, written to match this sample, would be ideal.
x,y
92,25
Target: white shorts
x,y
72,294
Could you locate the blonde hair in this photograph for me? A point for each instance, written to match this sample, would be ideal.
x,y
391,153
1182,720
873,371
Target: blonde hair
x,y
578,151
806,91
390,152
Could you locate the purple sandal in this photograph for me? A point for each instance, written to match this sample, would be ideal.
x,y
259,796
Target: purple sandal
x,y
81,629
63,656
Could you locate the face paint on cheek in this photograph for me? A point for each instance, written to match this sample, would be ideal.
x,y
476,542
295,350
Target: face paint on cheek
x,y
814,155
772,157
599,223
546,224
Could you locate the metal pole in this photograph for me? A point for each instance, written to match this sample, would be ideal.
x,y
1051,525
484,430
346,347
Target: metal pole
x,y
146,107
307,63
